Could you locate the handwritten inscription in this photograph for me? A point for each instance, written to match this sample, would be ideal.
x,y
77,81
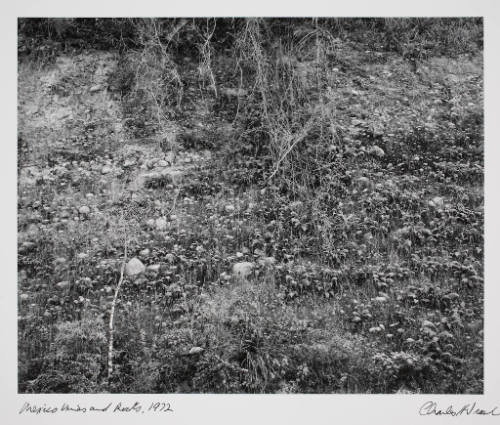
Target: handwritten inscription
x,y
120,407
432,408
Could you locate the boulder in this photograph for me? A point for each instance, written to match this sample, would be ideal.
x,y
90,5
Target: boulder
x,y
134,267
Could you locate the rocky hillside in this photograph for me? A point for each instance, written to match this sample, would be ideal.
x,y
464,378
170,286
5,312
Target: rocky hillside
x,y
287,205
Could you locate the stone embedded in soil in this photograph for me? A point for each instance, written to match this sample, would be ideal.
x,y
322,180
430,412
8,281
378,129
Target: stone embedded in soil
x,y
267,261
437,202
95,88
377,151
162,177
161,223
154,268
170,258
144,252
85,210
162,163
134,267
196,350
243,269
63,284
106,169
363,181
129,162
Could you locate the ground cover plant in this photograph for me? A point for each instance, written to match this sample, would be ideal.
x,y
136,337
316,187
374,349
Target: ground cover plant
x,y
250,205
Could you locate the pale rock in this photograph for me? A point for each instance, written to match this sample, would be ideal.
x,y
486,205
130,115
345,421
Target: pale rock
x,y
162,163
196,350
63,284
267,261
154,268
229,208
129,162
377,151
428,324
233,92
144,252
106,169
243,269
134,267
161,223
380,299
95,88
84,210
170,258
437,202
24,297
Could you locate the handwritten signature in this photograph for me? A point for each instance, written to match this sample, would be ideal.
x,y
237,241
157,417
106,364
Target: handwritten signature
x,y
432,408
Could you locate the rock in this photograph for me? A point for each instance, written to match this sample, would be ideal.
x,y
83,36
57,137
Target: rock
x,y
106,169
84,210
163,177
229,208
151,223
380,299
170,157
437,202
231,92
134,267
225,276
378,152
162,163
267,261
24,297
170,258
161,223
63,284
154,268
363,181
95,88
140,280
428,324
129,162
196,350
243,270
144,252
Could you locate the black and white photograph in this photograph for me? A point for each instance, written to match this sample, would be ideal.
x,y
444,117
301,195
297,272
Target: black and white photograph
x,y
250,205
